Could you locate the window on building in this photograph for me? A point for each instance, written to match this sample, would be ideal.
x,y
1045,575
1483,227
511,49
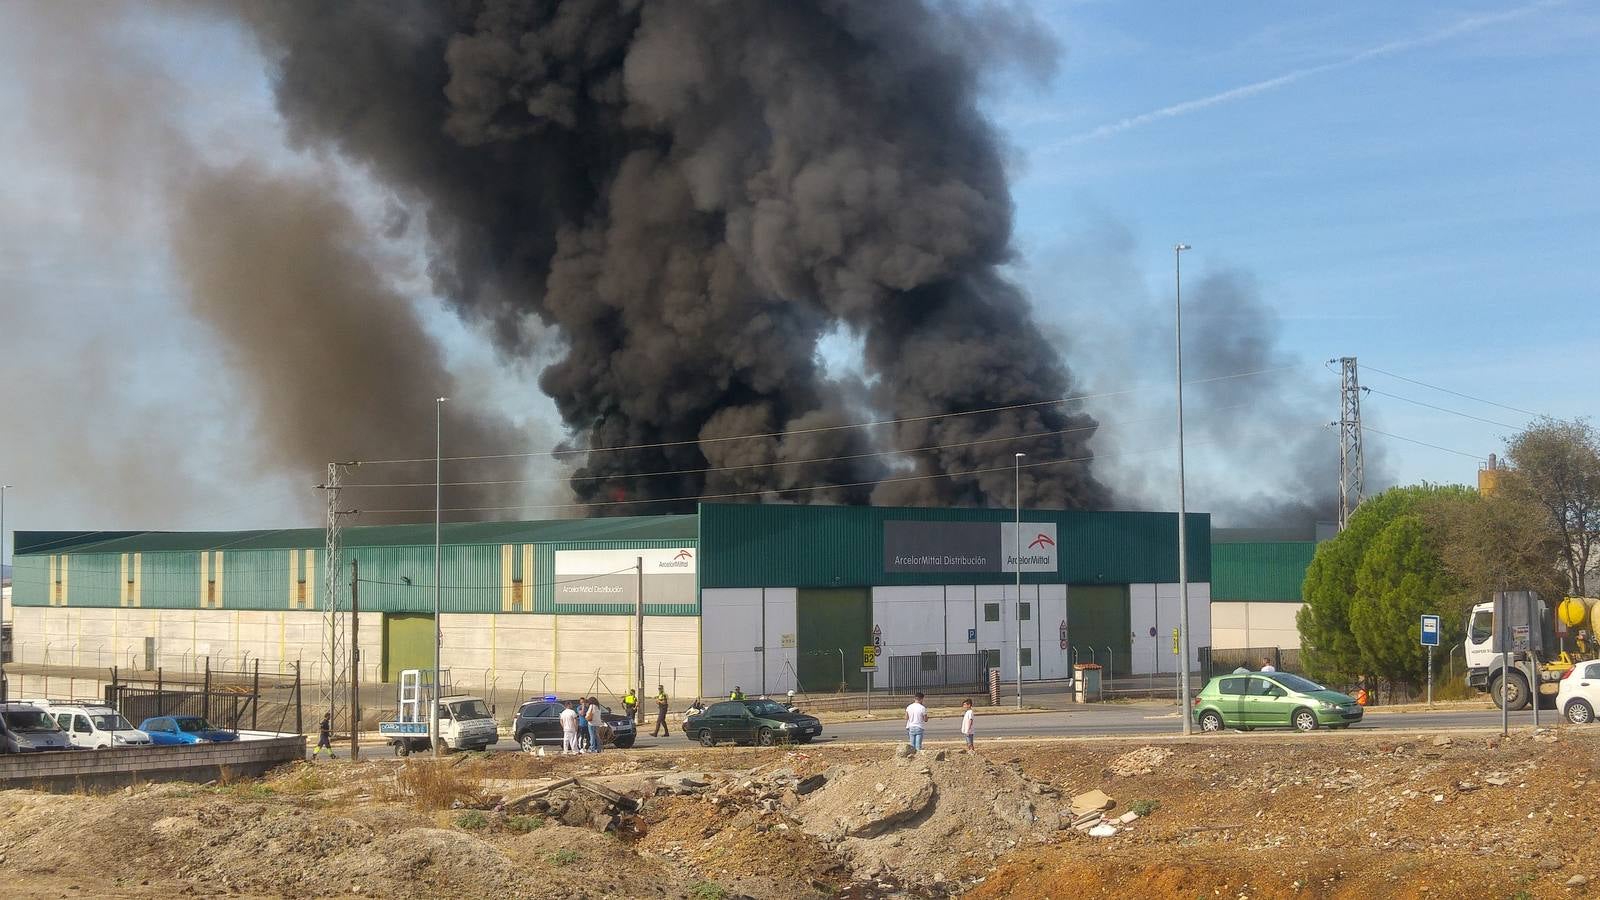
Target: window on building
x,y
1027,657
991,659
991,612
1026,612
930,661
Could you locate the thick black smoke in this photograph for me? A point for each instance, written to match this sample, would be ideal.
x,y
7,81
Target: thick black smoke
x,y
693,193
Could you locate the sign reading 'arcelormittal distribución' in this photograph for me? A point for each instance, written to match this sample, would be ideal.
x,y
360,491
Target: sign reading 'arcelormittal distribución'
x,y
969,547
611,576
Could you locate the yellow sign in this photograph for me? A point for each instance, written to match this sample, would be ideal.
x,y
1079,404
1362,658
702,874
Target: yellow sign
x,y
869,657
1174,642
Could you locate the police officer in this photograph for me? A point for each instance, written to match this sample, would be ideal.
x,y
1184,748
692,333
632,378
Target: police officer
x,y
630,705
661,712
737,693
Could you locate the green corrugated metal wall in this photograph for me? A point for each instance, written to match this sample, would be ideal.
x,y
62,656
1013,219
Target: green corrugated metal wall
x,y
827,621
1260,571
393,579
1098,620
830,546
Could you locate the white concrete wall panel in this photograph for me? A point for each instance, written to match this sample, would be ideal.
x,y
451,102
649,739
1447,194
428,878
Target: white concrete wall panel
x,y
730,630
782,605
1146,650
1054,662
960,615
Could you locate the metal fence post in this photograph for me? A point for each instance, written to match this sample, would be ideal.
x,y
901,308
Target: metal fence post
x,y
205,701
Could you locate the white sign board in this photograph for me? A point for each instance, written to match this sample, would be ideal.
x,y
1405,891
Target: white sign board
x,y
1430,631
1036,550
612,576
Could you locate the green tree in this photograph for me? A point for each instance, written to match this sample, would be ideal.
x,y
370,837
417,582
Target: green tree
x,y
1328,644
1400,579
1496,542
1556,466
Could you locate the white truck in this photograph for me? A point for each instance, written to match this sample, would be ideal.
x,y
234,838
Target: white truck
x,y
1549,662
465,722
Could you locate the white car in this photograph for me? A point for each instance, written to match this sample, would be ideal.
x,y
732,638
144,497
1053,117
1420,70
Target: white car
x,y
95,727
1579,695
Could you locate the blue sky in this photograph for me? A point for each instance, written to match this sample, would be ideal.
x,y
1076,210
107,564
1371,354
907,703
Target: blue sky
x,y
1410,184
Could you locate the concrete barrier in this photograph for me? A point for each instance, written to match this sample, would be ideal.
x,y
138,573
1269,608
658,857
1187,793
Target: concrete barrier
x,y
66,771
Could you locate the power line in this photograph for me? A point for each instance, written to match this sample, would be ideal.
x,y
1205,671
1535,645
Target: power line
x,y
786,462
1446,390
820,428
1442,409
815,487
1399,437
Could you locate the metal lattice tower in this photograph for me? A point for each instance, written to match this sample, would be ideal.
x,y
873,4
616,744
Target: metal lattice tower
x,y
1352,478
335,675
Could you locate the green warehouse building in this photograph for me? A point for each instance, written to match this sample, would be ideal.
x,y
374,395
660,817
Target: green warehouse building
x,y
767,597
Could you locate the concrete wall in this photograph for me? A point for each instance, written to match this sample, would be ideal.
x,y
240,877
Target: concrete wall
x,y
742,636
66,771
533,654
1255,624
915,620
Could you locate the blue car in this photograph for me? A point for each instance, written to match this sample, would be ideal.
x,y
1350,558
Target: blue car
x,y
184,730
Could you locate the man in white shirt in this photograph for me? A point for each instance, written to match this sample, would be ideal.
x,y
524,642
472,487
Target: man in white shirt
x,y
916,721
569,730
967,723
1266,664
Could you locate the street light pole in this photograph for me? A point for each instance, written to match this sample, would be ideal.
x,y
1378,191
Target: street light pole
x,y
438,465
3,489
1183,535
1016,552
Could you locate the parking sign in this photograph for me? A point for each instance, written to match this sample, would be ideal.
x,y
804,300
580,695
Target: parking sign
x,y
1430,631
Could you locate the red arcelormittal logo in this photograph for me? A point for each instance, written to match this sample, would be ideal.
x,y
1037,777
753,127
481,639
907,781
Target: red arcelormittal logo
x,y
683,554
1041,542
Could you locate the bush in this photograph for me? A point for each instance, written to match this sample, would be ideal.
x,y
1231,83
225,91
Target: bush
x,y
563,857
428,785
524,824
1144,808
708,890
472,820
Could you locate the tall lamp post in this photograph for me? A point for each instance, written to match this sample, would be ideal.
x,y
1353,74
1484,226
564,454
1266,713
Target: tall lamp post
x,y
1016,552
438,465
1183,536
3,489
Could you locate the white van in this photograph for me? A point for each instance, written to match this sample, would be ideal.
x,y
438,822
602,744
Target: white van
x,y
25,728
95,726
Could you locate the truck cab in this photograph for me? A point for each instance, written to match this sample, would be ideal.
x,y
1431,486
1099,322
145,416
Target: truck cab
x,y
465,722
1486,671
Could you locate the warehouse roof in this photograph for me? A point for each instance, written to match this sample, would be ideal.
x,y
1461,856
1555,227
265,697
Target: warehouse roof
x,y
676,527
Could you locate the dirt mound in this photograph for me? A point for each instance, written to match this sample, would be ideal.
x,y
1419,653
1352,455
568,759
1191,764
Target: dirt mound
x,y
1142,761
933,818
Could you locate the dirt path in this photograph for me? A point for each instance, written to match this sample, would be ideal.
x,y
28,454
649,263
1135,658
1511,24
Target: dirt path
x,y
1325,815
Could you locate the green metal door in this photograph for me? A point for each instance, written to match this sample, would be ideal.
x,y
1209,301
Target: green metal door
x,y
832,625
1098,622
407,644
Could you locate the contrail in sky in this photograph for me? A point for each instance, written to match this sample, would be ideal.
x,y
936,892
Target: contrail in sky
x,y
1465,26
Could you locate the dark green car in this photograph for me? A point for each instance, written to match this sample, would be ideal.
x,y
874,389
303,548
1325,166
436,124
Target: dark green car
x,y
751,722
1271,700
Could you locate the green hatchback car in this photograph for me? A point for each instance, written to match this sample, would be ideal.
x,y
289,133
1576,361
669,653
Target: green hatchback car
x,y
1272,700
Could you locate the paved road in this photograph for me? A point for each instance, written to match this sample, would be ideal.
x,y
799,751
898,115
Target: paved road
x,y
1108,720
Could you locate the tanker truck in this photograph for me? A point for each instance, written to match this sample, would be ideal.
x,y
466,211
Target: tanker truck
x,y
1567,639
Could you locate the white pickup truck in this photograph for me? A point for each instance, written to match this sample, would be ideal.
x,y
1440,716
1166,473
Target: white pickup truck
x,y
465,722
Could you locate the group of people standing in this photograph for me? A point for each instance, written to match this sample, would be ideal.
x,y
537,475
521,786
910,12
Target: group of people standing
x,y
581,722
917,723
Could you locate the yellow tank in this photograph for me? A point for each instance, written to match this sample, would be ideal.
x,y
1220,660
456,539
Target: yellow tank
x,y
1594,613
1573,610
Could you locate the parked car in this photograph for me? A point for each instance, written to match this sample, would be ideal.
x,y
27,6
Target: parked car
x,y
1272,700
539,722
185,730
28,729
751,722
1579,694
95,726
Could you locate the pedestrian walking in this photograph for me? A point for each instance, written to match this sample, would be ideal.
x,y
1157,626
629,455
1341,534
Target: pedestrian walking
x,y
661,729
968,723
916,721
595,720
569,730
324,736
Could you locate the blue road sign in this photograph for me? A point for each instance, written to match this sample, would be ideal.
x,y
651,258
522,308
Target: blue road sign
x,y
972,635
1430,631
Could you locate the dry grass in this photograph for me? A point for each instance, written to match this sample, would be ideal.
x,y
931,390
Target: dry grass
x,y
428,785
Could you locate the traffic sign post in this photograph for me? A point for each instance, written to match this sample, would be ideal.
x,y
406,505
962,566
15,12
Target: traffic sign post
x,y
869,664
1430,639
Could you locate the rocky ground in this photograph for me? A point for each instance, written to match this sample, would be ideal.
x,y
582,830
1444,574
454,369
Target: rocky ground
x,y
1321,815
